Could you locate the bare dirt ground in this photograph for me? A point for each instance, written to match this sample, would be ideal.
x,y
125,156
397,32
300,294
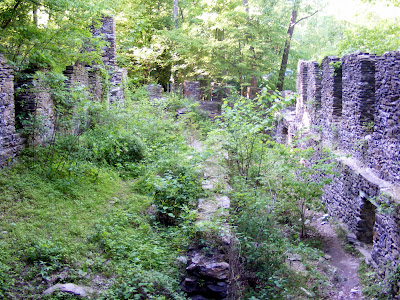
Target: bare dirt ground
x,y
345,280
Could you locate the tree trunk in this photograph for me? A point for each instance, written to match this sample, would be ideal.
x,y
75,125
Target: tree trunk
x,y
253,86
13,12
176,14
285,56
35,15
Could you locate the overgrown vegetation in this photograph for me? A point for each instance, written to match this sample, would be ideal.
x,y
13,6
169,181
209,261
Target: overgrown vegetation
x,y
273,190
375,287
90,207
110,204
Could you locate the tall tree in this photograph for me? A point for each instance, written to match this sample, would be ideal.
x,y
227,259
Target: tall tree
x,y
286,49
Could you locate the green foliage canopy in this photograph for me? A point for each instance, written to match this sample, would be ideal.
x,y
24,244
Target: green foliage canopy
x,y
48,33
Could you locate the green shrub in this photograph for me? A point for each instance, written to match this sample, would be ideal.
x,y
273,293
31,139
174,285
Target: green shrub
x,y
46,256
45,251
173,192
116,148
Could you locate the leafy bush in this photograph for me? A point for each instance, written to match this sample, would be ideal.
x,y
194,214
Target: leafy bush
x,y
272,190
174,193
117,148
246,123
45,251
47,256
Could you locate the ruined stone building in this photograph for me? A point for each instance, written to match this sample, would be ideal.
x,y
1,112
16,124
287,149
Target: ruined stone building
x,y
101,83
352,107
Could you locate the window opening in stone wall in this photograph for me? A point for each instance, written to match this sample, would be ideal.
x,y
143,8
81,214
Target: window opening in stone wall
x,y
366,222
337,90
285,133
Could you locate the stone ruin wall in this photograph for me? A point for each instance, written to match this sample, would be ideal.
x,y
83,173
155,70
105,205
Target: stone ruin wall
x,y
384,143
10,141
34,99
155,91
33,102
91,77
107,32
118,76
191,89
331,100
352,106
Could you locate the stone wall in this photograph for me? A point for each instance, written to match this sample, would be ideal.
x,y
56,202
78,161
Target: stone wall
x,y
155,91
331,100
384,145
34,110
357,118
10,141
313,102
358,102
286,126
302,73
95,82
107,32
91,78
117,87
77,75
191,89
33,105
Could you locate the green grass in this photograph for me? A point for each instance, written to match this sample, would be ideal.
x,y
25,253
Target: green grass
x,y
96,229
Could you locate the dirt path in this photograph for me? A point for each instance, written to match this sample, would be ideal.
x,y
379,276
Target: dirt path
x,y
344,265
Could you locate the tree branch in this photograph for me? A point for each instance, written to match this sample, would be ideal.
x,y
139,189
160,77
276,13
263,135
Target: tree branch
x,y
309,16
7,22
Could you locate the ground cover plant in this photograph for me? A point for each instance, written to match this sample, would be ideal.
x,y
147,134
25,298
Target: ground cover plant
x,y
89,207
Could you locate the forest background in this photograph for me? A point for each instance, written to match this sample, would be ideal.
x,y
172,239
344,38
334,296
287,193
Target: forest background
x,y
239,42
